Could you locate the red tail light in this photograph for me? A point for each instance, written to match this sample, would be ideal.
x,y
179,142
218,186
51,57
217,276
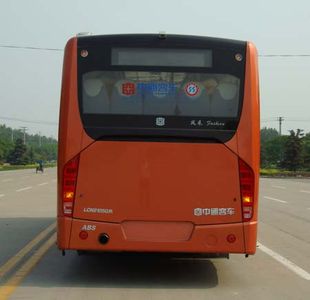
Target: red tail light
x,y
246,175
69,183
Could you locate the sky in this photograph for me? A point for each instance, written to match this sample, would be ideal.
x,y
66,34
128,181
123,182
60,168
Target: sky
x,y
30,79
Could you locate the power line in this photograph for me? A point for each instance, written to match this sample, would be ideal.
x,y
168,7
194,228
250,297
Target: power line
x,y
30,48
284,55
61,50
268,120
299,120
28,121
286,119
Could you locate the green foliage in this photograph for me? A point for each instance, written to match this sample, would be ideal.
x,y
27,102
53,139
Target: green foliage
x,y
268,134
293,151
18,156
273,151
37,147
306,151
290,152
283,173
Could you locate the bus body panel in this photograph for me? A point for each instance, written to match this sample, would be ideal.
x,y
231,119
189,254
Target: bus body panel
x,y
71,136
158,181
248,135
250,237
74,141
204,239
63,232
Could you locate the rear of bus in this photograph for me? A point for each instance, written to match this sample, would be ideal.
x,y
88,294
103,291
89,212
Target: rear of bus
x,y
158,145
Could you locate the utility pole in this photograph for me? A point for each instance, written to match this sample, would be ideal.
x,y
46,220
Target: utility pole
x,y
24,131
280,119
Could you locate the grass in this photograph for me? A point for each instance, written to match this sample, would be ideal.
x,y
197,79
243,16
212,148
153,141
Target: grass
x,y
21,167
283,173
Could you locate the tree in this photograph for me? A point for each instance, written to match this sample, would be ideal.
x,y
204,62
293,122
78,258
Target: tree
x,y
272,151
18,154
267,134
306,151
38,147
293,151
30,155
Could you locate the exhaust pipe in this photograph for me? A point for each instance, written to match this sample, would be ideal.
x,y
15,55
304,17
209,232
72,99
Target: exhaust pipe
x,y
103,238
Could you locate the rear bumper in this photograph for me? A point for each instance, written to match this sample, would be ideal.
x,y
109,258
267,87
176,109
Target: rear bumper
x,y
202,238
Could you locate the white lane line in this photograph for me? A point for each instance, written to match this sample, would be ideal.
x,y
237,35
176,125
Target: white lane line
x,y
284,261
2,195
304,191
7,180
279,187
274,199
24,189
43,183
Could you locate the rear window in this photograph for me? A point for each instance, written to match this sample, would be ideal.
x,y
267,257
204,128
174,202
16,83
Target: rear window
x,y
142,87
160,93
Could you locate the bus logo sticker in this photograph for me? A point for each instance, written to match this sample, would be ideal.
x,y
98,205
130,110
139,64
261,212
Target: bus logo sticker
x,y
157,89
198,211
215,123
160,121
96,210
128,88
196,123
192,89
214,211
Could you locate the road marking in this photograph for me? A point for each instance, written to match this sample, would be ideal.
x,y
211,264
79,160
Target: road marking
x,y
43,183
2,195
7,180
14,260
24,189
54,180
274,199
9,287
303,191
284,261
279,187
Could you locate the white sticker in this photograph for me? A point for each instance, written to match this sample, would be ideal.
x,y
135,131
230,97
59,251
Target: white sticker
x,y
198,211
98,210
214,211
89,227
160,121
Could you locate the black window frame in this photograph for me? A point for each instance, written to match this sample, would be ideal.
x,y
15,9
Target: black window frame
x,y
142,127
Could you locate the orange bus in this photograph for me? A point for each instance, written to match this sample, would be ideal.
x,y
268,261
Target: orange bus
x,y
158,145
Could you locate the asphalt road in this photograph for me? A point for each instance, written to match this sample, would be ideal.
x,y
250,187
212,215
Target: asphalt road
x,y
31,267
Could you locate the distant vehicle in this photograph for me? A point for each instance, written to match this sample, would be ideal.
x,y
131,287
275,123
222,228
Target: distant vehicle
x,y
159,145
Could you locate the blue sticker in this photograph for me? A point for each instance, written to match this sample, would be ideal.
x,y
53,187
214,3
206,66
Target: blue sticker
x,y
157,89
